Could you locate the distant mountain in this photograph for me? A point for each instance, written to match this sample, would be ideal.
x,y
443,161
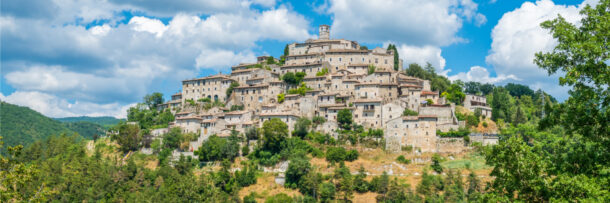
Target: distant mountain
x,y
22,125
105,121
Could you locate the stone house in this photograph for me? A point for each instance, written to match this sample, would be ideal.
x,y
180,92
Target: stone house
x,y
213,87
418,132
474,102
287,117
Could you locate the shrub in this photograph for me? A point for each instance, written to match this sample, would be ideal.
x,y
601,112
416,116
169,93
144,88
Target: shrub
x,y
485,124
245,150
280,98
237,108
216,148
371,69
279,198
403,160
409,112
335,154
351,155
322,72
436,163
407,148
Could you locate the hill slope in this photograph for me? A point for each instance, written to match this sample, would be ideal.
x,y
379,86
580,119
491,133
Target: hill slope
x,y
102,120
22,125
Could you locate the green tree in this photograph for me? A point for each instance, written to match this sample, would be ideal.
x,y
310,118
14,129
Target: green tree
x,y
327,192
233,85
301,127
280,98
153,100
298,168
372,69
128,137
344,117
274,133
409,112
501,104
454,93
436,163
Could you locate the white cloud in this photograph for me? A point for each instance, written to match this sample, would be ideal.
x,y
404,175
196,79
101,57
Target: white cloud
x,y
480,74
518,36
421,56
144,24
58,60
55,107
413,22
221,59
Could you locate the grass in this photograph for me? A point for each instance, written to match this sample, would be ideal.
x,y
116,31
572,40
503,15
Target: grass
x,y
476,162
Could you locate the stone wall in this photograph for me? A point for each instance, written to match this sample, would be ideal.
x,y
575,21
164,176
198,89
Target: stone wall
x,y
450,145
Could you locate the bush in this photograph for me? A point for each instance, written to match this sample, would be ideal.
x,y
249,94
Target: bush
x,y
237,107
403,160
245,150
472,121
485,124
351,155
338,154
251,198
280,98
216,148
335,154
436,163
279,198
461,132
322,72
407,148
409,112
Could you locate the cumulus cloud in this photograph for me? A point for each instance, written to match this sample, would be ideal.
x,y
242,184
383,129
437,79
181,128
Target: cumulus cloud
x,y
61,58
56,107
421,56
480,74
518,36
412,22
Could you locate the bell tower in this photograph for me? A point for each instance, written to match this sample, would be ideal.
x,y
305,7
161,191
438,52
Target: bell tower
x,y
324,32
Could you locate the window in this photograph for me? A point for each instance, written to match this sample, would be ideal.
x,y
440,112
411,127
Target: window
x,y
260,99
339,58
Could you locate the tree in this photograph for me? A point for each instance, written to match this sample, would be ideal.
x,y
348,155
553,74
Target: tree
x,y
486,89
335,154
252,133
518,90
501,105
436,163
298,167
396,58
233,85
371,69
454,93
327,192
173,138
128,137
280,98
415,70
409,112
153,100
344,117
360,184
217,149
301,127
322,72
519,116
472,87
274,133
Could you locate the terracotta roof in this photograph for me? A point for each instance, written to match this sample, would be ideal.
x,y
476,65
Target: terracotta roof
x,y
409,85
179,93
251,86
184,113
259,78
213,120
329,94
278,114
243,70
188,117
243,65
297,55
291,95
301,65
347,51
357,65
367,100
351,81
341,107
330,105
209,77
235,112
428,93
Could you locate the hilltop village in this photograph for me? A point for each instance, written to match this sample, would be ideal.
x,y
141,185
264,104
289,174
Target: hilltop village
x,y
319,78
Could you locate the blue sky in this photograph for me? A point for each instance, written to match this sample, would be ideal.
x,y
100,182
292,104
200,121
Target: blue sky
x,y
98,58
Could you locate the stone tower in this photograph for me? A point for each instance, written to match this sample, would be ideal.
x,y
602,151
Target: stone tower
x,y
324,32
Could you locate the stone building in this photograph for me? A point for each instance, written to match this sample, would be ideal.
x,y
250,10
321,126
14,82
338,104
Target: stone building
x,y
418,132
474,102
213,87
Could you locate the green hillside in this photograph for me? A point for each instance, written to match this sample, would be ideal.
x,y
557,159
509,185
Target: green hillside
x,y
86,129
105,121
22,125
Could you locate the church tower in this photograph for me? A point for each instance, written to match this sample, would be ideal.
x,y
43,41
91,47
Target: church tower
x,y
324,32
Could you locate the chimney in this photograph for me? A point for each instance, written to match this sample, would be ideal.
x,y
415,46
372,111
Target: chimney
x,y
324,32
